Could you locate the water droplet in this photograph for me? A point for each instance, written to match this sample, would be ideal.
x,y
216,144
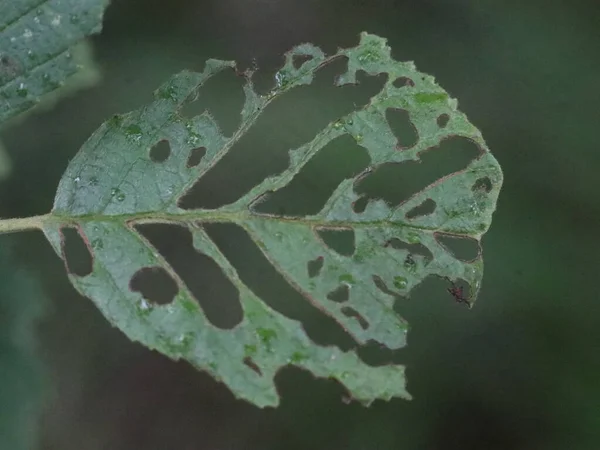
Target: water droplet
x,y
193,139
347,279
400,282
358,138
298,357
168,92
279,235
368,56
133,132
413,238
97,244
350,122
144,305
118,194
409,263
281,79
74,18
30,54
337,125
77,179
250,350
22,90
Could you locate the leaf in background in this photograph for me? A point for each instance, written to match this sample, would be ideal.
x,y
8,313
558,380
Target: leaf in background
x,y
38,52
115,185
20,369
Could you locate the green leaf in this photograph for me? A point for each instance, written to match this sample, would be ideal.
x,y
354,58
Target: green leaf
x,y
38,51
113,185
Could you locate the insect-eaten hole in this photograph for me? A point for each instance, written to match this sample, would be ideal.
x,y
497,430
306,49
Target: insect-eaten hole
x,y
483,184
299,60
196,155
310,189
161,151
76,253
340,240
288,122
413,249
249,362
424,209
359,205
314,266
351,312
402,127
403,81
215,293
155,284
382,286
265,281
223,97
442,120
340,294
397,182
464,248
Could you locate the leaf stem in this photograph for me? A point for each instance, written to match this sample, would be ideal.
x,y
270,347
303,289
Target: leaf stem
x,y
22,224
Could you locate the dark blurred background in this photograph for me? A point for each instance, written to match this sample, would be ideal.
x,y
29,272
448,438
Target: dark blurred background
x,y
519,371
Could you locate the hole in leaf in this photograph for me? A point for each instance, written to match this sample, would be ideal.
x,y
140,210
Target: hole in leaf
x,y
76,252
269,285
161,151
155,284
403,81
340,294
314,267
310,189
340,240
215,293
351,312
396,182
223,97
425,208
252,365
482,184
288,122
414,249
298,60
196,156
442,120
402,127
463,248
382,286
360,204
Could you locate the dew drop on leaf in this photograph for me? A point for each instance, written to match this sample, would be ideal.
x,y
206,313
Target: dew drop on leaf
x,y
400,282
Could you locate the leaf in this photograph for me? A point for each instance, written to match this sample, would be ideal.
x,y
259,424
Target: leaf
x,y
113,185
37,53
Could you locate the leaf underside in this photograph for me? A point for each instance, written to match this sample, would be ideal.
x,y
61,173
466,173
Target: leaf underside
x,y
113,185
37,54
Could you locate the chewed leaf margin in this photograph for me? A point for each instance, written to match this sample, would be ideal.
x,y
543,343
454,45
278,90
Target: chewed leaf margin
x,y
113,185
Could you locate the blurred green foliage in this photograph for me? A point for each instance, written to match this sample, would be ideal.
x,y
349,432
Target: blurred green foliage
x,y
518,371
21,373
